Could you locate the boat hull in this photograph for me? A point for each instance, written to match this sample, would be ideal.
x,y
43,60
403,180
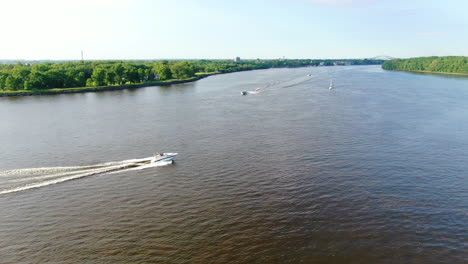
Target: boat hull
x,y
164,157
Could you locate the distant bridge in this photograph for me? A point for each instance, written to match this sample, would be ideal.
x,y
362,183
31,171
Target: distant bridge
x,y
382,57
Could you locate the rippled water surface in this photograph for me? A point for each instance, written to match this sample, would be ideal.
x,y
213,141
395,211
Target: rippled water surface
x,y
373,171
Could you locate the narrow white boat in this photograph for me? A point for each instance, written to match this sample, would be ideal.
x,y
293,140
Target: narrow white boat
x,y
163,157
331,85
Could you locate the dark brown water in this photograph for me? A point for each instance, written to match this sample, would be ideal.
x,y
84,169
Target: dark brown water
x,y
374,171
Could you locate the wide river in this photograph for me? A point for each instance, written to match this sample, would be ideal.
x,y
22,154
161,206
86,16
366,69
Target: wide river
x,y
372,171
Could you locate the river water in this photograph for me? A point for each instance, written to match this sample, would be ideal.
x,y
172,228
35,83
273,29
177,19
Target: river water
x,y
372,171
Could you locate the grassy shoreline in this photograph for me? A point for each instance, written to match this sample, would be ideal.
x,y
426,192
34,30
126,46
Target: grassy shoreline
x,y
420,71
451,65
102,88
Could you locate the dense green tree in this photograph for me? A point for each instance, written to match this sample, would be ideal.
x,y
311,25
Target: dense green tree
x,y
55,78
27,85
20,71
163,71
36,81
142,75
149,75
89,82
99,77
131,74
183,70
80,79
2,81
110,77
450,64
119,70
13,84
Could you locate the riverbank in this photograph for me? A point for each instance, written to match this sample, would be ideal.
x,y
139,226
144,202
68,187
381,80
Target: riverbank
x,y
92,76
451,73
453,65
102,88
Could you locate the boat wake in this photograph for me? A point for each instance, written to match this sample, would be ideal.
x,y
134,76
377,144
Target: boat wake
x,y
256,91
295,82
279,84
12,181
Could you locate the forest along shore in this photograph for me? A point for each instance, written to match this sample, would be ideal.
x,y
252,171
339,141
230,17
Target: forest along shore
x,y
35,78
435,72
457,65
98,89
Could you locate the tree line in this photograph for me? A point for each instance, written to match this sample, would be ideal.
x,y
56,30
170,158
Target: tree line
x,y
451,64
39,76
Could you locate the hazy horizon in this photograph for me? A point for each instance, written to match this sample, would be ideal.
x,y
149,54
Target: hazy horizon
x,y
196,29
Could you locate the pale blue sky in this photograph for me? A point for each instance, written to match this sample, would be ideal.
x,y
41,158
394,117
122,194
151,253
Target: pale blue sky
x,y
144,29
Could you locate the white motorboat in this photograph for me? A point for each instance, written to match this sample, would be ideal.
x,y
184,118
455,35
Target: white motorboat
x,y
163,157
331,85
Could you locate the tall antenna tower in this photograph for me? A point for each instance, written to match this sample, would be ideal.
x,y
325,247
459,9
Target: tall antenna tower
x,y
82,60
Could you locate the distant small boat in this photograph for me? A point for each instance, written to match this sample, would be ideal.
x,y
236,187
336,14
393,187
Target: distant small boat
x,y
244,92
310,74
331,85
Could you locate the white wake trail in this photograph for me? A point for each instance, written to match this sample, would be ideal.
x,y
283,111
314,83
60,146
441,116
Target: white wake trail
x,y
40,177
26,179
282,84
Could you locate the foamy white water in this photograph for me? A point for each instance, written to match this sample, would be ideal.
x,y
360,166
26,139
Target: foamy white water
x,y
282,84
25,179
